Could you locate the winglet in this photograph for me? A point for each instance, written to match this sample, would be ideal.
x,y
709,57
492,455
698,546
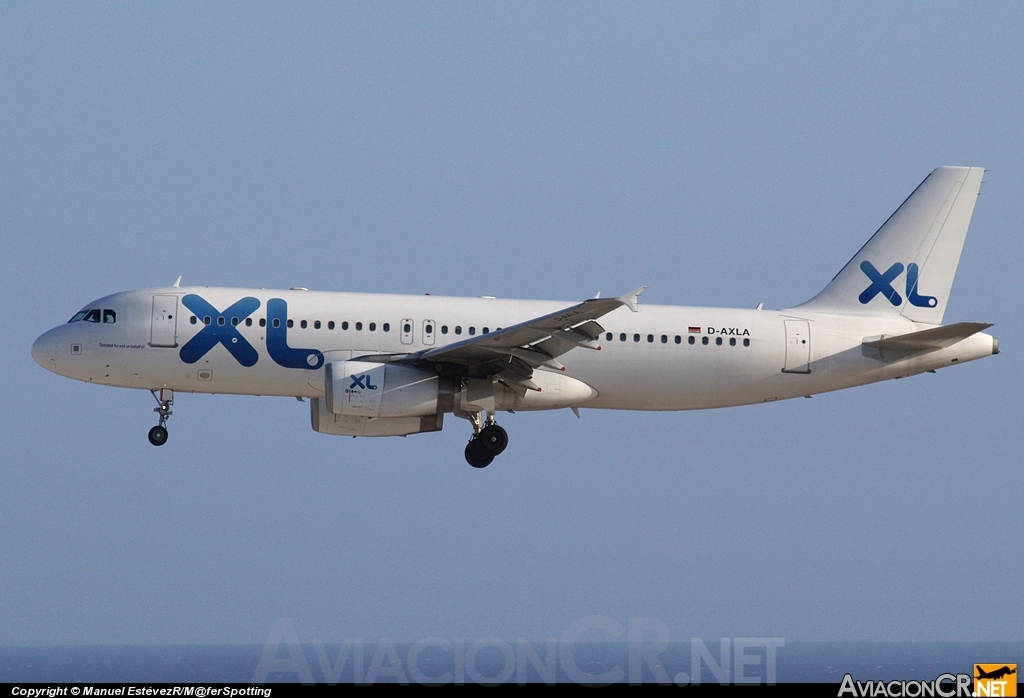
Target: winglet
x,y
177,283
631,298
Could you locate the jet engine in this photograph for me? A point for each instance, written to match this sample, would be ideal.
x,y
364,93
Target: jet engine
x,y
375,399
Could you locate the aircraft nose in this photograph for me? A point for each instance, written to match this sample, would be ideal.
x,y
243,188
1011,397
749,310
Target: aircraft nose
x,y
43,351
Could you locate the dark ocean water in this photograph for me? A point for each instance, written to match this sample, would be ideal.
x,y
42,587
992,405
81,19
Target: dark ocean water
x,y
818,662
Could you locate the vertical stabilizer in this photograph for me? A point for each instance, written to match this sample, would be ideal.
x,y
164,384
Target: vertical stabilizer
x,y
908,266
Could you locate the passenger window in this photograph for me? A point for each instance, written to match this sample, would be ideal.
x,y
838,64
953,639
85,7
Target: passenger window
x,y
373,327
693,340
732,341
344,325
650,338
746,342
248,322
263,322
221,321
92,316
316,325
206,319
302,324
386,327
291,324
485,331
192,320
330,324
277,322
679,340
622,337
444,329
608,337
704,341
234,322
429,329
79,316
472,331
359,326
458,329
636,338
110,317
407,328
718,341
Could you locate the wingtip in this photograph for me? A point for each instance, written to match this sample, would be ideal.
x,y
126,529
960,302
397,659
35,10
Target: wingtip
x,y
632,298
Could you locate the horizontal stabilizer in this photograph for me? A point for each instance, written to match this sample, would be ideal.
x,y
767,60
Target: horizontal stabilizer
x,y
926,340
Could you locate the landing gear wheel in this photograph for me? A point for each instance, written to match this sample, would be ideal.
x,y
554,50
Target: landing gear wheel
x,y
493,438
158,436
477,454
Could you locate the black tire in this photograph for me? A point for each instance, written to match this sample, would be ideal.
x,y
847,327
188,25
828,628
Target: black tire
x,y
477,455
493,438
158,436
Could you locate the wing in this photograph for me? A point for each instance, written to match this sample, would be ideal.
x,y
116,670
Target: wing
x,y
512,353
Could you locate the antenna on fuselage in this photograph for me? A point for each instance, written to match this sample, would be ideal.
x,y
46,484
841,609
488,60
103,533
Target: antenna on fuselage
x,y
177,283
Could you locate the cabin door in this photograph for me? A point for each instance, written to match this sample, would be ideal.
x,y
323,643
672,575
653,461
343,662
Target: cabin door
x,y
164,332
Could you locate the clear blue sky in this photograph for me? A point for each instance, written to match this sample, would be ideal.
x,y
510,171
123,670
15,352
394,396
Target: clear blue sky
x,y
719,154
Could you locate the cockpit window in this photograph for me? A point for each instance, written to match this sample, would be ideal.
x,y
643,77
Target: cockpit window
x,y
92,316
79,316
109,316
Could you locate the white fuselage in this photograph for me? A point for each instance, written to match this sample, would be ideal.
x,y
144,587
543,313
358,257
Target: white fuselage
x,y
658,358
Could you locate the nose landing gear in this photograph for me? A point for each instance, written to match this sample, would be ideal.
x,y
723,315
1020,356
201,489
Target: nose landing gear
x,y
158,434
488,441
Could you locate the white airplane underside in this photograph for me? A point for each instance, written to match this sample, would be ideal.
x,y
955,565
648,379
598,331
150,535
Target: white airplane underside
x,y
390,365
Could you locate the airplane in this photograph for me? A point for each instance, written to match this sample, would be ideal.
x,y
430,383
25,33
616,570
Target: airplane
x,y
995,674
393,365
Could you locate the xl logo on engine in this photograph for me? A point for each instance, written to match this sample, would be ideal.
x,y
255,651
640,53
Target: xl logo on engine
x,y
357,382
881,283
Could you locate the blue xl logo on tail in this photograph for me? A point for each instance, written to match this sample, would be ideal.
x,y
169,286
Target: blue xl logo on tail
x,y
882,283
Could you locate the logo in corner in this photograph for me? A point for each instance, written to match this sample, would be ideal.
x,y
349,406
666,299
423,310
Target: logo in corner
x,y
995,680
881,283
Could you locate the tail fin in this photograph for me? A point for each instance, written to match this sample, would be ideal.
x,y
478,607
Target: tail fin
x,y
923,238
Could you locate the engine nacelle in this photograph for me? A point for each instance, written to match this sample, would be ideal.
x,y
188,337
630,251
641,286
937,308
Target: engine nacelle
x,y
372,399
326,422
366,389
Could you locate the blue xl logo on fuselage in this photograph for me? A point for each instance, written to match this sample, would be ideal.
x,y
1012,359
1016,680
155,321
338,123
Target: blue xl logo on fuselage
x,y
881,283
222,330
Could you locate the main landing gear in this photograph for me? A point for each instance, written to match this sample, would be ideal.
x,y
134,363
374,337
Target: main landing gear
x,y
488,441
158,434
